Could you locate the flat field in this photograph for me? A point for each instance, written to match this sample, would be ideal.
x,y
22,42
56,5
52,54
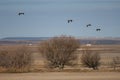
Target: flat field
x,y
105,72
61,76
107,53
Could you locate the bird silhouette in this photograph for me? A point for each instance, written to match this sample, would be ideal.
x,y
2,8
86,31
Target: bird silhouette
x,y
88,25
20,13
70,20
98,29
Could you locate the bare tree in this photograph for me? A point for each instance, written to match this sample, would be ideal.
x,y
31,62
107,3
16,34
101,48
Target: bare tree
x,y
17,58
22,57
59,51
4,59
90,59
116,62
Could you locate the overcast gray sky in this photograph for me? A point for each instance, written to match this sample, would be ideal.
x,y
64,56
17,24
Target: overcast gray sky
x,y
48,18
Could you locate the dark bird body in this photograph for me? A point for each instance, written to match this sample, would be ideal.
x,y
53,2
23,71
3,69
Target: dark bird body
x,y
98,29
88,25
70,20
20,13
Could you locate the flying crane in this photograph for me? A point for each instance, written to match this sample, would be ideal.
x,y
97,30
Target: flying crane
x,y
20,13
98,29
70,20
88,25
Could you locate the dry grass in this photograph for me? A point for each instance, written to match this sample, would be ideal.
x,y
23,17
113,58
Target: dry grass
x,y
106,59
107,53
15,58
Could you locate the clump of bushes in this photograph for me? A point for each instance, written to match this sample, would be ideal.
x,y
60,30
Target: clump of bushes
x,y
59,51
15,59
115,62
90,59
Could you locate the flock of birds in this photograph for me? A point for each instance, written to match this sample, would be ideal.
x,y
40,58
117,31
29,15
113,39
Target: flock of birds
x,y
69,21
88,25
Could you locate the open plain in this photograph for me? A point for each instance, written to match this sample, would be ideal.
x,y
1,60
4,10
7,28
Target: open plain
x,y
61,76
105,72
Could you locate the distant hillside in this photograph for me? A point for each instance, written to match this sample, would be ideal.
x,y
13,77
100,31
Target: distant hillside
x,y
98,42
34,40
101,40
25,38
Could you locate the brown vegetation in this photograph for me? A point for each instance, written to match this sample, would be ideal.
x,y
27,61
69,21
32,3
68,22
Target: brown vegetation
x,y
90,59
116,62
59,51
10,54
15,59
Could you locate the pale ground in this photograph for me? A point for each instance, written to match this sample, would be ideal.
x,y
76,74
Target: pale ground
x,y
61,76
106,52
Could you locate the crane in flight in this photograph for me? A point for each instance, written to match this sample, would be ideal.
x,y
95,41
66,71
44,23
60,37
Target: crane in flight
x,y
88,25
98,29
20,13
70,20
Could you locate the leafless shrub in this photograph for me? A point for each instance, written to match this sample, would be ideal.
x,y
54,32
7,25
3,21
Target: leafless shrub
x,y
4,59
90,59
116,62
59,51
16,59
